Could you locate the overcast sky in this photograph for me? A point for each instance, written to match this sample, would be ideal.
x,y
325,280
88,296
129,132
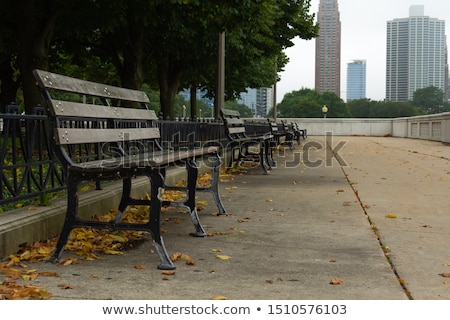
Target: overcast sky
x,y
363,28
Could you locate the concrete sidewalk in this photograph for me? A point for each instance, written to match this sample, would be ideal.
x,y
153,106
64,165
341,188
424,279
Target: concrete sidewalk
x,y
375,225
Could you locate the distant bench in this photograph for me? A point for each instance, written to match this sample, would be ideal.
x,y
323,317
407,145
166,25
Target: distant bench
x,y
103,133
244,146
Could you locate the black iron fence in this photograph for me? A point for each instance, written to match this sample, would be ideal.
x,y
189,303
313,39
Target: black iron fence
x,y
30,169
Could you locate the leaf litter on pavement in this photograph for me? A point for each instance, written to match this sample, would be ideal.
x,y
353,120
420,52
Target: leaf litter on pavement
x,y
86,244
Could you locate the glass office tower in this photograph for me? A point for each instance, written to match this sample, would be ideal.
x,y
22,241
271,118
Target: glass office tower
x,y
356,80
415,55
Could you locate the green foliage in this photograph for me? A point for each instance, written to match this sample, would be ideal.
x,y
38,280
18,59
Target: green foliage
x,y
308,103
429,99
167,44
366,108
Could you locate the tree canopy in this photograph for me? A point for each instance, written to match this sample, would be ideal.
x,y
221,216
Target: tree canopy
x,y
167,44
429,99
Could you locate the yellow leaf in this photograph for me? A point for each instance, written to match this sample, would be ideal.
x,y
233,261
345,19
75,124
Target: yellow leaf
x,y
26,255
391,216
219,298
269,200
110,251
217,250
202,203
118,238
222,257
87,244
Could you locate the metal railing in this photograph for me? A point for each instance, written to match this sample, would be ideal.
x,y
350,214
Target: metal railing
x,y
30,169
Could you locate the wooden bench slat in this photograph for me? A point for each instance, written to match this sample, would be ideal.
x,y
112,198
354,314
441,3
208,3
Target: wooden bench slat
x,y
155,159
55,81
77,109
64,136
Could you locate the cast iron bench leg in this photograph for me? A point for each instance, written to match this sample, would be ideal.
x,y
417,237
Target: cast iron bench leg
x,y
214,188
190,201
70,221
157,187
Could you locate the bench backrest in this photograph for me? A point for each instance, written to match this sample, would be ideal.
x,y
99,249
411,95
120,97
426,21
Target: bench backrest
x,y
115,122
234,125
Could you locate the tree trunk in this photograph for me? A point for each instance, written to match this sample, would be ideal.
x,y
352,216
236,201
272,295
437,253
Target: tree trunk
x,y
8,88
168,79
193,101
131,73
34,34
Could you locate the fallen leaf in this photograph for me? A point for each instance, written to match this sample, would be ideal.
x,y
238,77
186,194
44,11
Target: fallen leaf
x,y
219,298
391,216
216,250
178,255
110,251
336,281
49,274
140,266
445,274
65,286
118,238
222,257
269,200
168,272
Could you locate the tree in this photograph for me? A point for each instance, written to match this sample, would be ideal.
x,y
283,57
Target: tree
x,y
308,103
35,24
429,99
167,44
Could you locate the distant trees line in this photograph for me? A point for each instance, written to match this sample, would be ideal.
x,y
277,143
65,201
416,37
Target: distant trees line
x,y
308,103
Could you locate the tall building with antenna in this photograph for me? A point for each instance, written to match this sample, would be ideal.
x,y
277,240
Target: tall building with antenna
x,y
328,48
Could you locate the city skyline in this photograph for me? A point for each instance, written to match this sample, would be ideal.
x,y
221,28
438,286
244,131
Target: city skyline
x,y
364,26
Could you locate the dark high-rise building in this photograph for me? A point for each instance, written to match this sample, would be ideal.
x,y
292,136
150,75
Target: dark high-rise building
x,y
328,48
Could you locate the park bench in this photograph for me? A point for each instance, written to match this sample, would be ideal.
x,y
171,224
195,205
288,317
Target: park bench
x,y
106,133
243,146
298,133
282,133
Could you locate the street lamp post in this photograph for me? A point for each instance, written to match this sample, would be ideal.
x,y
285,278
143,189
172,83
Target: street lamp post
x,y
324,111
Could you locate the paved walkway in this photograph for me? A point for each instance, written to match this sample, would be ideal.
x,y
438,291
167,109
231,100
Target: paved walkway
x,y
374,226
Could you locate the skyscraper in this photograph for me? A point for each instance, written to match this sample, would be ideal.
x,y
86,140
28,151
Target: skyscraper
x,y
356,80
328,48
415,55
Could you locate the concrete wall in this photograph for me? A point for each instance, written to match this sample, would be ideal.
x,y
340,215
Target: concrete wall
x,y
428,127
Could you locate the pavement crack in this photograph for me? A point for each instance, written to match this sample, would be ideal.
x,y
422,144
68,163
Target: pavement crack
x,y
383,246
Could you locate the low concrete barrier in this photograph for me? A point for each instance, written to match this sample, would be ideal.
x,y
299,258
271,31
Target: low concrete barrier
x,y
428,127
